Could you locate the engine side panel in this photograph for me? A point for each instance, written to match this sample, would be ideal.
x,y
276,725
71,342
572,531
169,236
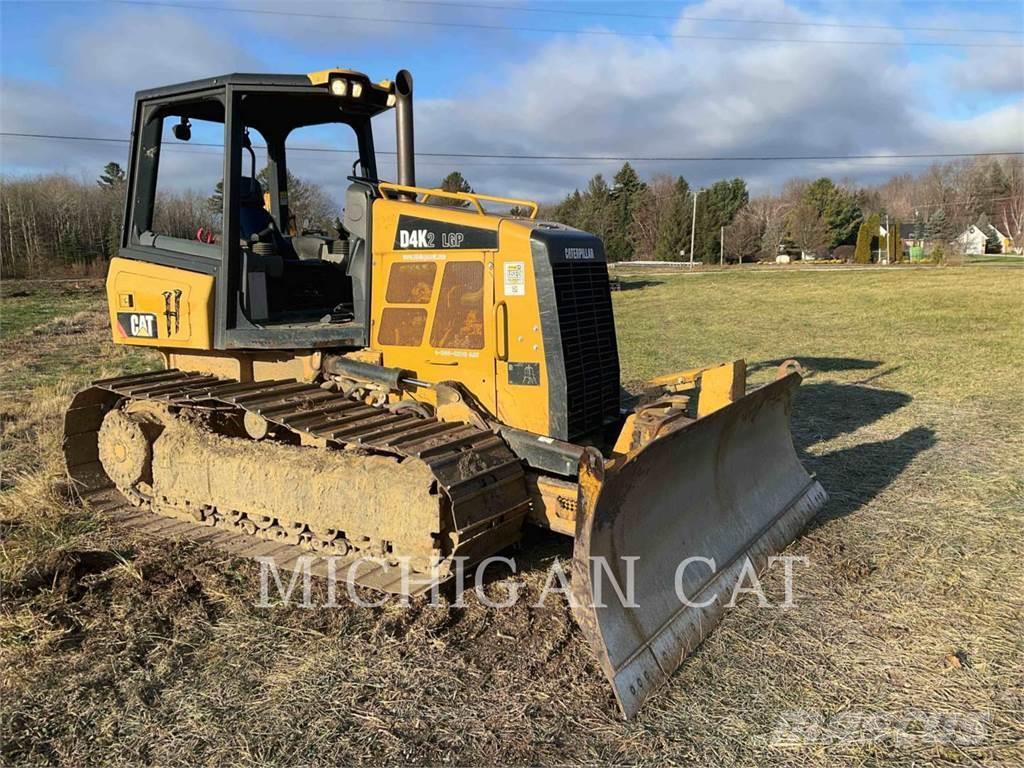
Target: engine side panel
x,y
433,295
522,374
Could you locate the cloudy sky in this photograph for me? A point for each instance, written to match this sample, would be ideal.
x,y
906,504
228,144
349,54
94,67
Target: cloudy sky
x,y
705,79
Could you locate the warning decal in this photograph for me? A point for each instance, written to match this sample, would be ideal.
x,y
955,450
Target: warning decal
x,y
515,278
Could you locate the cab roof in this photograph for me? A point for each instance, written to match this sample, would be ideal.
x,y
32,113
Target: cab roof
x,y
375,97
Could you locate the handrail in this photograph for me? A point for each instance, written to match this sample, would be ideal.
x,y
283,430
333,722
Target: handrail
x,y
470,197
501,331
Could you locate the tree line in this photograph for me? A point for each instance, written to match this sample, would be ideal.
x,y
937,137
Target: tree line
x,y
656,219
57,223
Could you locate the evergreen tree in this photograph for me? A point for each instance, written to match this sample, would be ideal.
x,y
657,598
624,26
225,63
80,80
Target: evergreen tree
x,y
112,236
895,242
919,226
838,208
992,242
862,253
722,201
873,224
674,231
112,176
998,182
453,182
70,247
937,227
215,202
111,182
626,196
595,210
568,211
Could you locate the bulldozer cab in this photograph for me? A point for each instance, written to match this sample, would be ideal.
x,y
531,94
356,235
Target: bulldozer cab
x,y
277,283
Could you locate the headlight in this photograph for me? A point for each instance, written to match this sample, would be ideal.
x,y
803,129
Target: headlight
x,y
339,87
357,90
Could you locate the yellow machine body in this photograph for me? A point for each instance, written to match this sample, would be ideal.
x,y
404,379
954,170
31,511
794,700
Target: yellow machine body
x,y
443,314
450,315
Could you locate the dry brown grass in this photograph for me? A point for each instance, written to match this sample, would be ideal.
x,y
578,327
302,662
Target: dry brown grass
x,y
116,649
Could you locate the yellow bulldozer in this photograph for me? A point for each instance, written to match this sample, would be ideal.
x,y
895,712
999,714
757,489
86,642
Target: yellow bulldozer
x,y
416,387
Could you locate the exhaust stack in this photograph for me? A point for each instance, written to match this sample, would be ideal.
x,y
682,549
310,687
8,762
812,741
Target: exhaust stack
x,y
403,129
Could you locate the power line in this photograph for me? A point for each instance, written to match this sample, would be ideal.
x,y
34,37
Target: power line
x,y
686,17
982,200
546,30
561,158
501,164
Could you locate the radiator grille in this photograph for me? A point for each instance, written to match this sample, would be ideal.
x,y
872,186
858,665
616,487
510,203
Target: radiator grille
x,y
588,345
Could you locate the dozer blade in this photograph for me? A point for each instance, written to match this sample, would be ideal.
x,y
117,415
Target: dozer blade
x,y
728,487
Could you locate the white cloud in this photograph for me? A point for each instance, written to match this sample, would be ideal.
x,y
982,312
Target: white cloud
x,y
135,49
567,95
103,64
29,107
989,71
998,130
630,96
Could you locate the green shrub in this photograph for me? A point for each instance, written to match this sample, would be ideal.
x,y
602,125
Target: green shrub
x,y
862,253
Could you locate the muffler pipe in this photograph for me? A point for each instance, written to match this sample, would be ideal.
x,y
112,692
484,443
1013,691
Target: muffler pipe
x,y
403,129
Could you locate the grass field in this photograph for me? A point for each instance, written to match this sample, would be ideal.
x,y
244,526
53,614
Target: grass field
x,y
905,645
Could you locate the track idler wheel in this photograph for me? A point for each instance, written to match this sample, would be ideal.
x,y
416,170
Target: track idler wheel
x,y
125,450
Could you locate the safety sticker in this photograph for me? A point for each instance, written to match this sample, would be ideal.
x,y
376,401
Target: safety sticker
x,y
515,278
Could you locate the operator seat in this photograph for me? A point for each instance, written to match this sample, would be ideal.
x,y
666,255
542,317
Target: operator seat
x,y
253,218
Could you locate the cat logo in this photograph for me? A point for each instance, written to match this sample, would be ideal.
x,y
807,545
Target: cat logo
x,y
415,238
139,325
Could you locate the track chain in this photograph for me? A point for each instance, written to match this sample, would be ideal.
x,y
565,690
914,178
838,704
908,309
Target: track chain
x,y
479,474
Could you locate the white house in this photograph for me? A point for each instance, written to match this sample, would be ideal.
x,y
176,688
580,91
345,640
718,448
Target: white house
x,y
973,239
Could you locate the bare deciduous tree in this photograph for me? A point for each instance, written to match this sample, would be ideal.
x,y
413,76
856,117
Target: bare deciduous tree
x,y
807,228
649,215
50,223
1010,212
760,228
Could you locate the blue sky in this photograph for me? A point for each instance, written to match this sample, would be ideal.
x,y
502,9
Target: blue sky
x,y
592,84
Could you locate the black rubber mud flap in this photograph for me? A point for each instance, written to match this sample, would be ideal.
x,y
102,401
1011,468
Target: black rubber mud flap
x,y
728,487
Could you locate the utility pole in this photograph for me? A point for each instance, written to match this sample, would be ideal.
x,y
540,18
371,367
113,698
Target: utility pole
x,y
889,250
693,228
721,249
